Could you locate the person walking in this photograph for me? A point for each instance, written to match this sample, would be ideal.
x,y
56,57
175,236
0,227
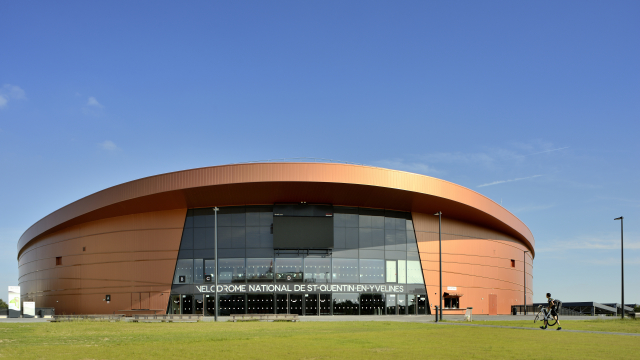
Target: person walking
x,y
551,311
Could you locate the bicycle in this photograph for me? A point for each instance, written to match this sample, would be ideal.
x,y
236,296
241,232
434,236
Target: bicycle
x,y
544,314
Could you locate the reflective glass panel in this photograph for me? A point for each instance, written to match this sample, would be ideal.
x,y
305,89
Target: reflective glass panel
x,y
317,270
345,270
260,270
371,271
289,270
402,271
184,268
231,271
414,272
392,275
198,271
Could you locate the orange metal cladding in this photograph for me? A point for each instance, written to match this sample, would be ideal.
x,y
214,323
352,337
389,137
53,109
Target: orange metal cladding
x,y
128,257
102,217
476,261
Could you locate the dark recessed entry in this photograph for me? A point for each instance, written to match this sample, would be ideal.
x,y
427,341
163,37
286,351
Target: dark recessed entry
x,y
58,260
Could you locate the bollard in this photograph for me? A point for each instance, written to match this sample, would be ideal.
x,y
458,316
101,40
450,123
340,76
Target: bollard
x,y
436,313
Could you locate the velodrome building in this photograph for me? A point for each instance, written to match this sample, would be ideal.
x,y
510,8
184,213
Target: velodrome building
x,y
313,239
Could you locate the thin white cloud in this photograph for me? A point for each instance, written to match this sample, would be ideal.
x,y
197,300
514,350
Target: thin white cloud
x,y
547,151
10,92
399,164
506,181
94,102
108,145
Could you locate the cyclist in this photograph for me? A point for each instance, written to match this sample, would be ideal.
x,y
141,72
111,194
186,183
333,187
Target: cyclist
x,y
551,311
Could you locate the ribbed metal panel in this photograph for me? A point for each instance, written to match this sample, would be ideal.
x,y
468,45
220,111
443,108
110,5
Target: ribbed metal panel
x,y
264,183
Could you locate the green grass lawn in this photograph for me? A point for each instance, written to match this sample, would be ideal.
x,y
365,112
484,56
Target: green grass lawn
x,y
625,326
305,340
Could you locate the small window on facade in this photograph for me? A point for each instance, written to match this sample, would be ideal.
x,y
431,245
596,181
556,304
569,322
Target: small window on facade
x,y
59,260
84,248
513,263
452,303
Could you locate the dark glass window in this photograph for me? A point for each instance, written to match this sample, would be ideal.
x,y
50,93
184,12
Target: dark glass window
x,y
339,238
345,270
260,270
452,303
187,239
231,271
238,219
266,218
377,222
224,219
289,270
266,237
199,238
371,271
365,238
253,219
253,237
260,304
224,237
371,304
238,236
231,304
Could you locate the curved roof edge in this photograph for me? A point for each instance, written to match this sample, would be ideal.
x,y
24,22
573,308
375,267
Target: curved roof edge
x,y
349,185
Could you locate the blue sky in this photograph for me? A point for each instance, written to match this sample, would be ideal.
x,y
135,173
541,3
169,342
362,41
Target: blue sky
x,y
533,104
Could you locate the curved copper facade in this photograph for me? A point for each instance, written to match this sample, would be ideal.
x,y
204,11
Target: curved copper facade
x,y
479,233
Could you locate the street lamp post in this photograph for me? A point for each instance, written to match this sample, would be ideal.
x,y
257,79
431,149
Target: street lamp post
x,y
215,255
439,215
524,270
621,218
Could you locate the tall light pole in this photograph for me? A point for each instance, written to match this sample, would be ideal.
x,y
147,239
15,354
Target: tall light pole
x,y
524,270
215,255
621,218
439,215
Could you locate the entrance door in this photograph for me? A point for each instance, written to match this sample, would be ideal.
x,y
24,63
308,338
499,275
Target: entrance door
x,y
325,304
310,304
372,304
198,304
187,304
174,304
493,304
423,309
260,304
210,305
412,306
391,304
402,304
295,304
282,304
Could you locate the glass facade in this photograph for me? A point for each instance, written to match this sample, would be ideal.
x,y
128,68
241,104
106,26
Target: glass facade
x,y
373,268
